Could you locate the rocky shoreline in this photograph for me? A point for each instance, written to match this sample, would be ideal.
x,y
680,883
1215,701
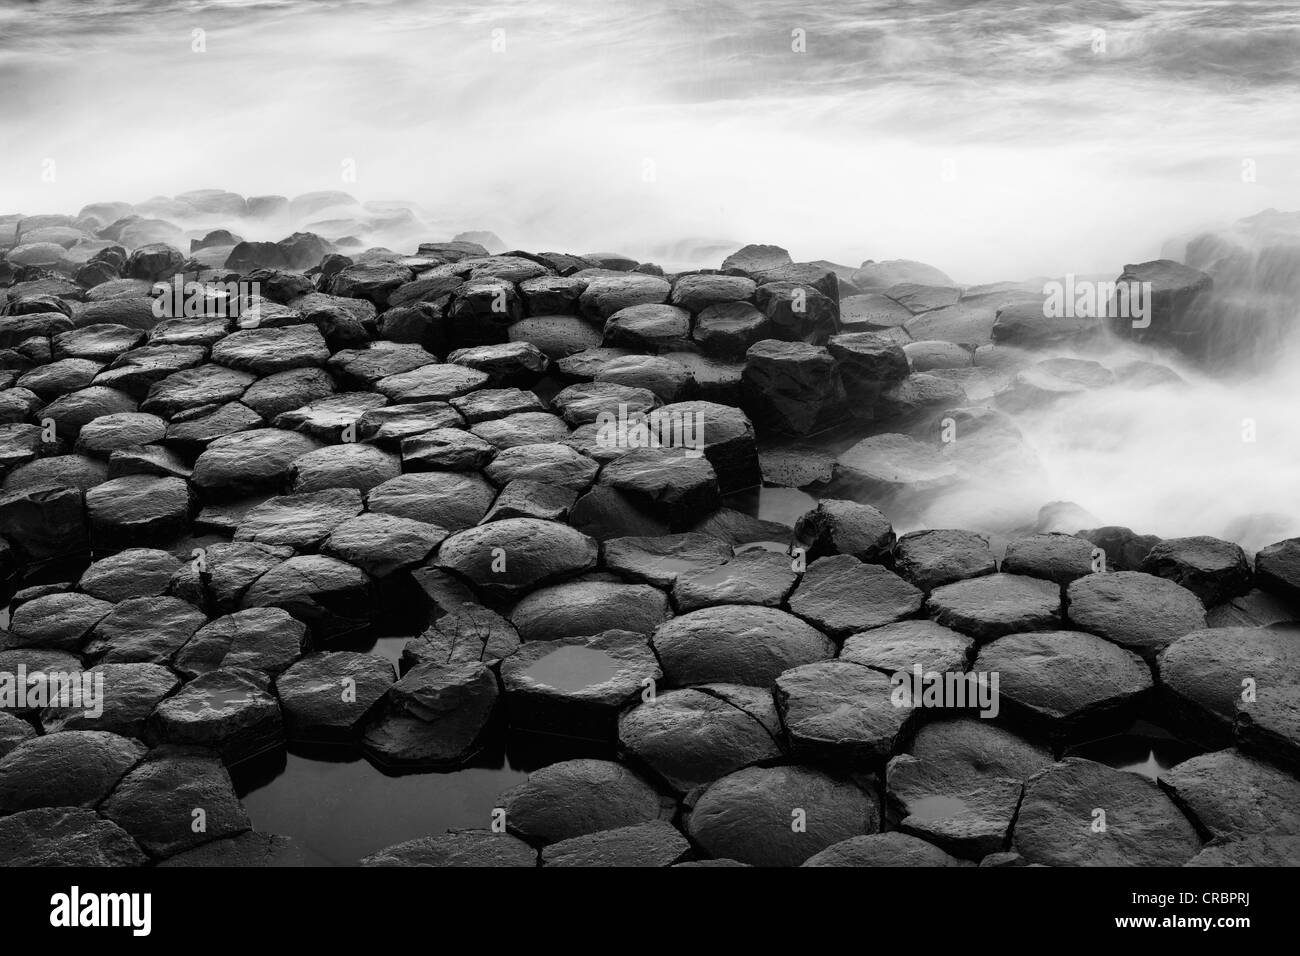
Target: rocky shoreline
x,y
545,466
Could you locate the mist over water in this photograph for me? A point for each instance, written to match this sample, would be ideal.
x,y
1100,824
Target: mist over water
x,y
994,140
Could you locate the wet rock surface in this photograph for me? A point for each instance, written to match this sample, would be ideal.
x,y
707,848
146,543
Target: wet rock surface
x,y
680,520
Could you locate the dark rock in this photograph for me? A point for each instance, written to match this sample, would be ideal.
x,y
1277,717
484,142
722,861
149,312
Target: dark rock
x,y
146,630
526,428
381,544
649,328
749,815
64,836
730,328
436,382
660,560
585,608
511,363
72,412
259,639
466,634
1139,611
752,577
1051,379
605,295
158,802
248,461
890,463
556,335
585,403
75,768
332,419
1067,684
576,797
846,527
1234,797
246,850
1055,557
840,710
362,367
1124,550
327,696
229,711
647,844
434,715
450,500
13,731
737,644
883,849
907,644
792,387
128,696
551,462
330,596
1175,303
992,605
193,387
137,509
694,736
931,559
1267,850
509,558
58,621
1058,824
676,485
352,465
840,595
387,427
577,686
120,431
45,522
59,471
284,391
1277,568
1212,569
486,404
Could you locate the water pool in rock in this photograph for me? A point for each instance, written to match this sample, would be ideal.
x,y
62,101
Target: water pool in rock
x,y
1143,748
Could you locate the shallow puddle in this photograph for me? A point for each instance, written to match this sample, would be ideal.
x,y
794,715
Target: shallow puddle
x,y
573,668
1144,748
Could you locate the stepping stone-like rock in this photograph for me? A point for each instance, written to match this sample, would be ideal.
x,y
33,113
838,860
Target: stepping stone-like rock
x,y
147,630
871,312
360,368
552,295
193,430
1067,684
649,328
388,427
451,500
908,644
230,711
838,709
694,736
327,696
728,329
931,559
551,462
605,512
1051,380
586,402
300,521
585,608
735,644
194,387
1058,823
577,686
137,372
468,633
58,378
883,849
487,404
798,466
992,605
330,596
45,522
381,544
668,380
846,527
226,571
334,419
128,695
431,383
506,559
747,816
265,351
756,257
576,797
102,343
647,844
968,815
893,463
66,836
1135,610
980,749
698,291
75,768
1211,568
1055,557
56,621
350,465
284,391
66,471
558,336
1277,569
72,412
1255,608
156,802
265,639
434,715
246,462
660,560
608,294
751,577
526,428
1267,850
841,595
1234,796
456,849
792,387
919,297
524,498
724,434
153,460
1205,675
507,363
673,484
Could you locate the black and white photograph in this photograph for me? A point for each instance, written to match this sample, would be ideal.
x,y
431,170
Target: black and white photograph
x,y
650,434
